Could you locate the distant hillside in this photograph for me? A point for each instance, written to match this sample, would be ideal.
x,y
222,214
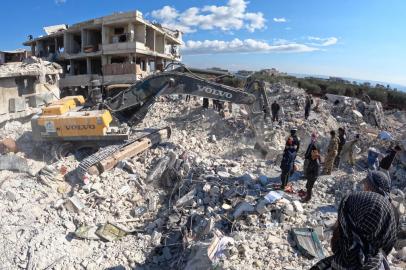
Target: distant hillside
x,y
390,97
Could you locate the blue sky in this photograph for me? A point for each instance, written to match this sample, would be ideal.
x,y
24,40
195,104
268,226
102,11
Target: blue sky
x,y
363,39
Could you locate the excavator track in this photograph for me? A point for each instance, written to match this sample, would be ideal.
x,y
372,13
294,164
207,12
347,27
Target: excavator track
x,y
110,150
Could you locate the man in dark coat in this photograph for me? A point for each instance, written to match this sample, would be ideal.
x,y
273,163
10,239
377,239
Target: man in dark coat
x,y
342,138
287,163
310,147
275,111
312,172
308,105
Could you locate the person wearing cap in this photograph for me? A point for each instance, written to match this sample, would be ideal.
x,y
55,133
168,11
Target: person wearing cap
x,y
331,153
342,138
364,235
310,147
347,153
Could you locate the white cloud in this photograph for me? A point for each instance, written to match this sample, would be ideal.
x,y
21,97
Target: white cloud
x,y
280,20
324,42
232,16
60,2
242,46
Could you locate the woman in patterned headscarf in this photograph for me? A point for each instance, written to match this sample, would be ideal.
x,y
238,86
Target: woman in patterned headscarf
x,y
364,235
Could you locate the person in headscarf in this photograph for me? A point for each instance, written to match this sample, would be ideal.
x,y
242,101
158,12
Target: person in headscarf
x,y
377,181
364,235
308,154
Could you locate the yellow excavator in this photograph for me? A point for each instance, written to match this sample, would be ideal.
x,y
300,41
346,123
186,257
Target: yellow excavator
x,y
108,124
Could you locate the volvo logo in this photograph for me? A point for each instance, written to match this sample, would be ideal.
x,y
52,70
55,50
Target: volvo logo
x,y
80,127
215,92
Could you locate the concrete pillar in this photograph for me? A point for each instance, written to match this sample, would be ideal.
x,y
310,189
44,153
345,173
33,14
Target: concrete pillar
x,y
56,45
88,66
33,49
66,43
131,32
83,36
104,60
72,68
105,35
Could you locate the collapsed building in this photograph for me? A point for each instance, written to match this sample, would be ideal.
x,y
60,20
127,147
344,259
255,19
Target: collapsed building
x,y
31,83
13,56
115,49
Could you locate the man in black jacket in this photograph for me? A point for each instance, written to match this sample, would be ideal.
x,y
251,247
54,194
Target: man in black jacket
x,y
275,111
310,147
308,105
312,172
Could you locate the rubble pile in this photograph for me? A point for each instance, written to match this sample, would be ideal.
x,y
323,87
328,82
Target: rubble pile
x,y
31,66
204,199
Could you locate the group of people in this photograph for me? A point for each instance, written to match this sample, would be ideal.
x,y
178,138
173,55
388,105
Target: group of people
x,y
276,108
366,227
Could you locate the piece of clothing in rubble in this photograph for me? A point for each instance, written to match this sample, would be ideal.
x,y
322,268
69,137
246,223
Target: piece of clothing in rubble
x,y
342,139
387,161
347,152
308,105
287,164
330,156
365,235
312,173
275,107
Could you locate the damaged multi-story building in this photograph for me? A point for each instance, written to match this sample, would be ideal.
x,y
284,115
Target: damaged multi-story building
x,y
117,49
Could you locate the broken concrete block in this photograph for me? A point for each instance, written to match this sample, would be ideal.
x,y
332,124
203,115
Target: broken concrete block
x,y
17,105
156,238
187,199
8,145
223,174
298,206
87,232
74,204
242,208
110,232
289,209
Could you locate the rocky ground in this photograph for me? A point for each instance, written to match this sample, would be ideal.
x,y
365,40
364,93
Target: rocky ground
x,y
214,189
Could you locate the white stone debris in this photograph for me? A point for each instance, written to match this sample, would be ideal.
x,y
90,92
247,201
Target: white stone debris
x,y
215,181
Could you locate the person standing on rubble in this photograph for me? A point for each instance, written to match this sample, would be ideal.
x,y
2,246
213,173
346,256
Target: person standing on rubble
x,y
331,153
386,162
342,138
308,105
347,152
310,147
364,234
312,172
288,161
275,111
